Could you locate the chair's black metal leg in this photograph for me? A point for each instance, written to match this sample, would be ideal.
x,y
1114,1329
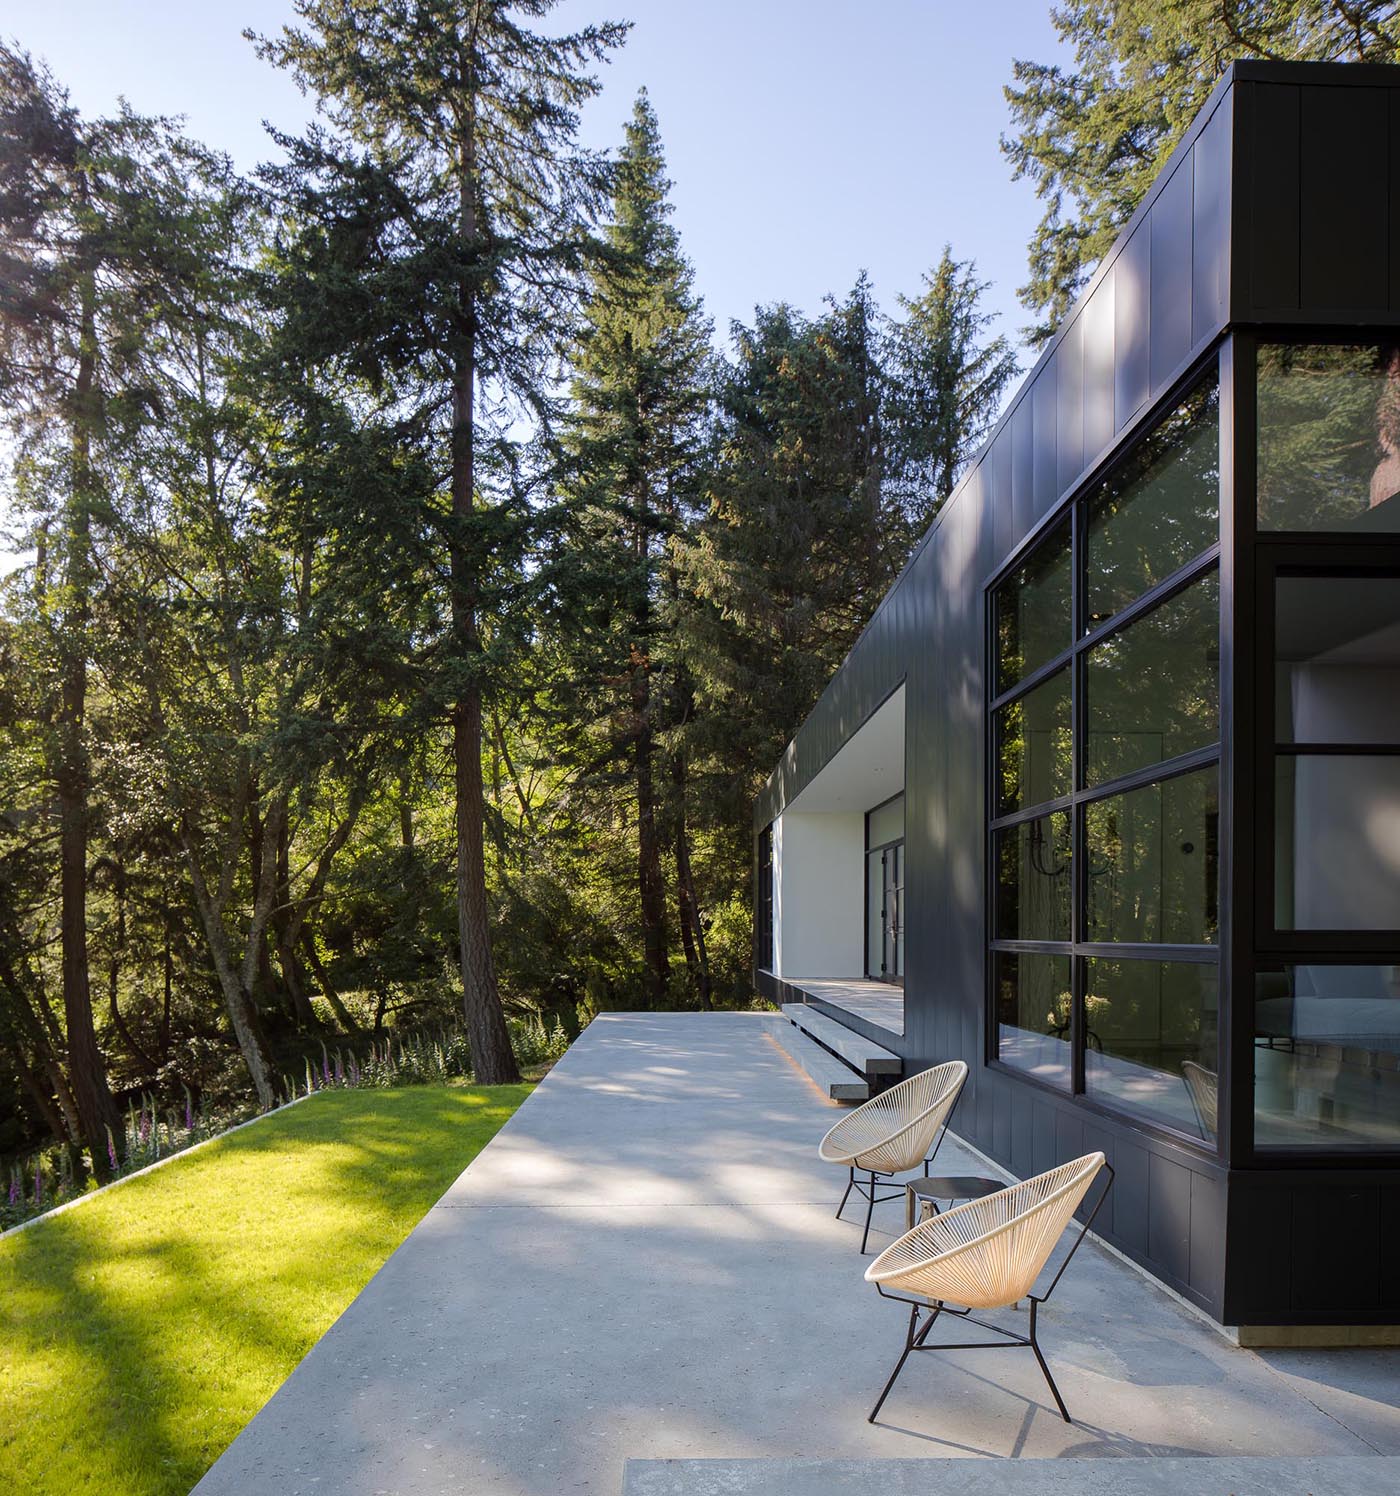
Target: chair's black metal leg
x,y
869,1211
911,1341
850,1182
1054,1390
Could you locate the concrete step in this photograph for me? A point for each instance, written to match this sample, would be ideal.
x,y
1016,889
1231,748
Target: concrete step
x,y
834,1076
861,1054
1122,1475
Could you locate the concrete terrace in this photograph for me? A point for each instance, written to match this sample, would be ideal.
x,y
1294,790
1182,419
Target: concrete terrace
x,y
644,1266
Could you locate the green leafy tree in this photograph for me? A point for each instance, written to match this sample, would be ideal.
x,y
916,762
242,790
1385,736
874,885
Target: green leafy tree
x,y
1093,135
450,203
632,450
798,544
948,380
96,237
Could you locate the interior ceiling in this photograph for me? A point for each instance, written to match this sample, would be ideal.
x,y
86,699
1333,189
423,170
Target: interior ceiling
x,y
1339,620
867,769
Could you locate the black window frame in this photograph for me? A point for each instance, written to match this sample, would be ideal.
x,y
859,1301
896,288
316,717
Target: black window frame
x,y
1249,636
1213,365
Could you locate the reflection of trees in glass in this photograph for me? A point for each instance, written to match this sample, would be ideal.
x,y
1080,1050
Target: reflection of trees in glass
x,y
1033,611
1158,510
1329,436
1154,687
1033,993
1156,1014
1034,746
1033,879
1153,863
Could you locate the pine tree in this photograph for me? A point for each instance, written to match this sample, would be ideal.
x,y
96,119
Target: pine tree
x,y
948,380
631,460
798,544
451,202
1093,137
96,238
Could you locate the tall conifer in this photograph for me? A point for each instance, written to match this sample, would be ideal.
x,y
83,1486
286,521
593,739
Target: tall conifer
x,y
451,205
632,464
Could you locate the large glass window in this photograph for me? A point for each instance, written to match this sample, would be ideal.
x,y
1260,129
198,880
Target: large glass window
x,y
1034,885
1138,691
1327,1056
1152,863
1337,768
1033,611
1158,511
1151,1032
1034,744
1153,688
1034,1001
1329,437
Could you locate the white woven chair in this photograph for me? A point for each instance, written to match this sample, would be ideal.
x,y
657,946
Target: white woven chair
x,y
899,1129
986,1254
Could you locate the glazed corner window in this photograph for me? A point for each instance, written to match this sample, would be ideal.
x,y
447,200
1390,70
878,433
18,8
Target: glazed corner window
x,y
1328,427
1326,1045
1104,739
1337,752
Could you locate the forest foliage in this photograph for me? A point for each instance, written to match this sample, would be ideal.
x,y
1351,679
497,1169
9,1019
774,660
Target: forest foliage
x,y
420,588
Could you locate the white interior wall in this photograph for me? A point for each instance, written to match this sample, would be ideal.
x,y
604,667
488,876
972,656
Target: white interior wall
x,y
818,894
1346,810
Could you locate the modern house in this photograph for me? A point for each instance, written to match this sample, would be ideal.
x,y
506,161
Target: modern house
x,y
1106,798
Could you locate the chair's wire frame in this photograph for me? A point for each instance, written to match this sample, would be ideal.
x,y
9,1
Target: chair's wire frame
x,y
867,1188
915,1335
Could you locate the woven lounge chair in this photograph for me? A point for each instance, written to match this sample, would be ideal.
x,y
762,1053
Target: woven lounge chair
x,y
986,1254
897,1130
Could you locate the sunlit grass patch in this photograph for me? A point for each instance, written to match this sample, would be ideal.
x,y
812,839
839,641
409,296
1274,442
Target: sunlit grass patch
x,y
143,1329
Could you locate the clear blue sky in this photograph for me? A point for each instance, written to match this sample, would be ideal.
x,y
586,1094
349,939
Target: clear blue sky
x,y
807,139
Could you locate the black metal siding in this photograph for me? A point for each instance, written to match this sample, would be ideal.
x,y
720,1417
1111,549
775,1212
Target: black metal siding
x,y
1256,218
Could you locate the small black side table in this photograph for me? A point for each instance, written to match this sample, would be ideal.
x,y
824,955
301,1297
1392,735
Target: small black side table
x,y
945,1187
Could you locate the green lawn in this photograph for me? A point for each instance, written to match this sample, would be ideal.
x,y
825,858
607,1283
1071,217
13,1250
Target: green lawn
x,y
142,1330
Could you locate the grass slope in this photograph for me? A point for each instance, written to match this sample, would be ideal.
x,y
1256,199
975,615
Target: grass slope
x,y
141,1331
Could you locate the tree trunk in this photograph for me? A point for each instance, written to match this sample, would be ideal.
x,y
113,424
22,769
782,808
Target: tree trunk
x,y
493,1061
285,923
313,960
242,1011
651,887
87,1071
687,898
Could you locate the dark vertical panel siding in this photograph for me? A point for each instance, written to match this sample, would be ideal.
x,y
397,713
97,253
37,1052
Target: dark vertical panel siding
x,y
1130,1191
1169,1216
1269,177
1068,364
1343,262
1099,381
1045,422
1210,237
1023,508
996,466
1169,332
1161,294
1131,301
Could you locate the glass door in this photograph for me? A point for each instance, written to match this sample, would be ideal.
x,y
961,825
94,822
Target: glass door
x,y
884,891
